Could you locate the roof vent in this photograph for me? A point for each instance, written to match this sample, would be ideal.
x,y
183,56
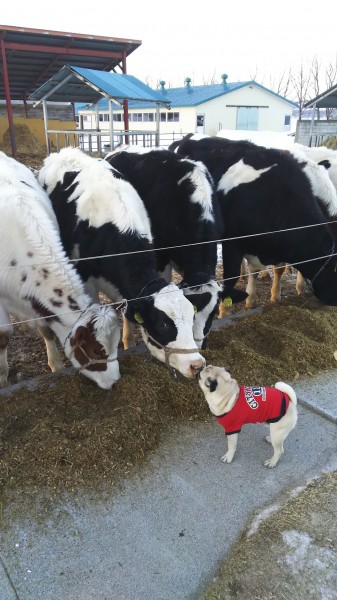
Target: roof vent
x,y
162,84
224,78
188,81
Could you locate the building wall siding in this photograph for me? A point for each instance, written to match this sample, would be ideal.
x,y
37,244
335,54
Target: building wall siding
x,y
321,131
220,113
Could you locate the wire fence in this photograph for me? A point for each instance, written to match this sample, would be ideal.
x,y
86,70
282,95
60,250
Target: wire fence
x,y
124,301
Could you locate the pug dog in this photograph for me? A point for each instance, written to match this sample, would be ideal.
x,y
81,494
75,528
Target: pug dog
x,y
235,405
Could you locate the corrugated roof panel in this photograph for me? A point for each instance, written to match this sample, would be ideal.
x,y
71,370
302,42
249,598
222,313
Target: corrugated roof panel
x,y
189,96
79,82
120,86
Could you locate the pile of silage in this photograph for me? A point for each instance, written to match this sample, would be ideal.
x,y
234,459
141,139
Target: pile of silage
x,y
29,150
67,434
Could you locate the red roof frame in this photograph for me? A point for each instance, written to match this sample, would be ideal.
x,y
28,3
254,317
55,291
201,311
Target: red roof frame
x,y
29,57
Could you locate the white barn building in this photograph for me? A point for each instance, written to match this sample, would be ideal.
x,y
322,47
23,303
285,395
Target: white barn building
x,y
245,106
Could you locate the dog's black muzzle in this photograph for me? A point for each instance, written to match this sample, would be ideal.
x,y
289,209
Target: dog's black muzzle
x,y
198,374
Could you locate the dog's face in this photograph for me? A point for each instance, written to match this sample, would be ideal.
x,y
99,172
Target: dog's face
x,y
221,391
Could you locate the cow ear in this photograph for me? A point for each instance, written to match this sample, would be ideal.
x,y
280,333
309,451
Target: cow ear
x,y
198,301
79,336
231,296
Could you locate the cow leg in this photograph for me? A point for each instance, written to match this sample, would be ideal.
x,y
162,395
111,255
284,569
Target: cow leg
x,y
300,285
128,334
254,268
251,287
276,287
243,269
6,332
231,265
54,360
265,275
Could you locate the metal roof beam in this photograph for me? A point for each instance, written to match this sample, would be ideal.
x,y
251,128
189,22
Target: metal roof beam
x,y
59,85
62,50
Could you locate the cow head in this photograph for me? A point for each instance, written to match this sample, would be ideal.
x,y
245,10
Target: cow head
x,y
92,345
166,320
205,299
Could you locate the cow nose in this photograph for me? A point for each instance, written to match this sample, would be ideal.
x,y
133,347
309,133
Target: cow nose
x,y
197,366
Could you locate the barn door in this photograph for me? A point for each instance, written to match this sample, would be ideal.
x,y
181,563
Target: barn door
x,y
200,128
247,118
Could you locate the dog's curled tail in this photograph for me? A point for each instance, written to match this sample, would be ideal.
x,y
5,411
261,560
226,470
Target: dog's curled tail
x,y
287,389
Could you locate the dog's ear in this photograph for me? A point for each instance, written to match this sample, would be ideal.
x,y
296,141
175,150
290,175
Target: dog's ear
x,y
212,384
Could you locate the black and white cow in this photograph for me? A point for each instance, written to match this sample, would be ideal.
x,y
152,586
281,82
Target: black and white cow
x,y
39,284
178,196
324,192
326,157
261,191
100,214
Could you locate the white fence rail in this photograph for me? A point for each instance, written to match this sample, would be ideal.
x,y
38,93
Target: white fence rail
x,y
93,141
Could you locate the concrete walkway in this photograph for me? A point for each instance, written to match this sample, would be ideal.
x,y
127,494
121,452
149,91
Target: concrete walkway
x,y
162,536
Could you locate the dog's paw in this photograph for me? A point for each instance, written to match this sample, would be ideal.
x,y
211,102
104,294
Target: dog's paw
x,y
227,458
270,463
267,438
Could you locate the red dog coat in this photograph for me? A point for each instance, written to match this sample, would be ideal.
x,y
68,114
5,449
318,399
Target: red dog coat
x,y
255,405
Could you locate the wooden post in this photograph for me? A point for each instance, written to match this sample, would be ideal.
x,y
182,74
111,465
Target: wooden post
x,y
8,99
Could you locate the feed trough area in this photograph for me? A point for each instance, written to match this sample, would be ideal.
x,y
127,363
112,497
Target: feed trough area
x,y
60,432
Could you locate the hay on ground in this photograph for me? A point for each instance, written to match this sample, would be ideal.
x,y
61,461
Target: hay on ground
x,y
67,434
29,150
331,142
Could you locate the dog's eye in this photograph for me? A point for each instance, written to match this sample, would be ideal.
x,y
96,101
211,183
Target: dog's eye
x,y
212,384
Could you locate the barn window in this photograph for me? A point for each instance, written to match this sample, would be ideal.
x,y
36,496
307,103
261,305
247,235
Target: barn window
x,y
173,117
148,117
163,116
287,120
118,117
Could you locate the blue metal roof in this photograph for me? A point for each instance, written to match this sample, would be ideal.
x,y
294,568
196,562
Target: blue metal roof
x,y
76,84
190,95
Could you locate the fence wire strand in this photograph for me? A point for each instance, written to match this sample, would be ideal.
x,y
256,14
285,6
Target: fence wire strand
x,y
124,301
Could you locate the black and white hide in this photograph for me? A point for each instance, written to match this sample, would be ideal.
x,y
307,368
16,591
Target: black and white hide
x,y
103,220
262,191
179,199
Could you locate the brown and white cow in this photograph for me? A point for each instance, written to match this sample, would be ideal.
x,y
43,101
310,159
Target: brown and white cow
x,y
38,284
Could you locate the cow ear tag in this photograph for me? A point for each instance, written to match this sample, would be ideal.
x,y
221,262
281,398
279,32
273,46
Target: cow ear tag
x,y
195,309
227,302
137,316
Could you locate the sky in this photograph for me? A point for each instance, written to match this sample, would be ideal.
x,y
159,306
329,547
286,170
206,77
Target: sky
x,y
201,40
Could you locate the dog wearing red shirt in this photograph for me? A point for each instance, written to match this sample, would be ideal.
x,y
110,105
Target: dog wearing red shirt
x,y
234,405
